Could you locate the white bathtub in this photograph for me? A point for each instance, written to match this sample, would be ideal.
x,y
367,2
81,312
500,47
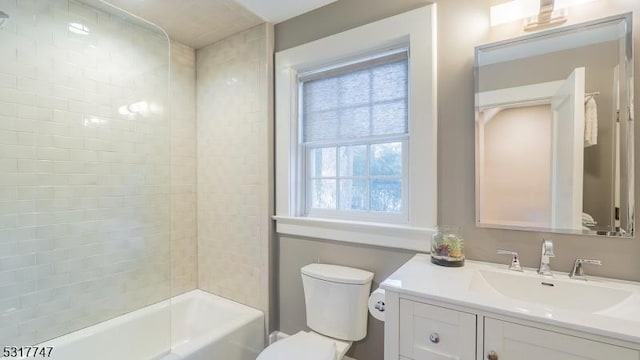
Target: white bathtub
x,y
203,327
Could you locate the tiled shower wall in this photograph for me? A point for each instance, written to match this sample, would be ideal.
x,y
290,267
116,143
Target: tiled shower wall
x,y
184,256
84,169
233,167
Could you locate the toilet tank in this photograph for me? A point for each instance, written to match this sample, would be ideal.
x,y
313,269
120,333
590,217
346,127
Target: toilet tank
x,y
336,300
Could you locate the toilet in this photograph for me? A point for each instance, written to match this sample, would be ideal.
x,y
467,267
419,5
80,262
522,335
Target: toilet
x,y
336,304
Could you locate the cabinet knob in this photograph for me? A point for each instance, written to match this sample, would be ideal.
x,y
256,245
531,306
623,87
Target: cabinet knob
x,y
492,355
435,338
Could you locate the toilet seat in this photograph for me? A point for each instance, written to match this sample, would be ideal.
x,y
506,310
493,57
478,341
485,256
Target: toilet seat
x,y
303,345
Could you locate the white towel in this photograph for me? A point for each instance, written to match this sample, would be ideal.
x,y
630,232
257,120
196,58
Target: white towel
x,y
588,220
590,122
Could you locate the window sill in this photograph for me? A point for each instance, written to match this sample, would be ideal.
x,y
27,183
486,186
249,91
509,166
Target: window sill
x,y
378,234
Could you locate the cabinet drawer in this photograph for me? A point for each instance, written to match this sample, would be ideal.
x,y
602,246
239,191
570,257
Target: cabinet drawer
x,y
430,332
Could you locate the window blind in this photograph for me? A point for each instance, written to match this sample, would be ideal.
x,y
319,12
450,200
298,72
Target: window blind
x,y
356,101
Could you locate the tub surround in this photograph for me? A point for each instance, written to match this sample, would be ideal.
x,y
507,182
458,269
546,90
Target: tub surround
x,y
84,225
234,167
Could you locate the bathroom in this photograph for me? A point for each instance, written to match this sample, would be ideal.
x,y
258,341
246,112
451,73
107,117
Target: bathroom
x,y
195,211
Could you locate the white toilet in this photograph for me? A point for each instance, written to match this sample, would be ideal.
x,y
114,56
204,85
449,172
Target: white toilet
x,y
336,302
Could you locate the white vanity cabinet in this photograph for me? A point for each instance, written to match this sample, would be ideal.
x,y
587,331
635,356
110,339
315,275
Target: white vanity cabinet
x,y
419,330
485,311
513,341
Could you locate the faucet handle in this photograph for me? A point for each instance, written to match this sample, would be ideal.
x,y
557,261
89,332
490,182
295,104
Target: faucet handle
x,y
515,260
577,272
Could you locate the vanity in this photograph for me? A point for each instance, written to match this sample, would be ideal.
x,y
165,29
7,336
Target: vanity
x,y
486,311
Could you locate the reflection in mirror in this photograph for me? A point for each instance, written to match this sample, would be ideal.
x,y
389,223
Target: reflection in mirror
x,y
554,130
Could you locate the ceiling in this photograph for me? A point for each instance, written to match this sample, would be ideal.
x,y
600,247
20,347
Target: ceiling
x,y
276,11
199,23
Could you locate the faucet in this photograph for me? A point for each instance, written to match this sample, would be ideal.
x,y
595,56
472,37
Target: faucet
x,y
547,252
577,272
515,260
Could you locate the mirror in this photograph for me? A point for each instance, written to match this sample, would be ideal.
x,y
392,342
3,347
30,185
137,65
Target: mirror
x,y
554,130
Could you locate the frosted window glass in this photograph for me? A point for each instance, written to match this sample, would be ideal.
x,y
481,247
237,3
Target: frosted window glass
x,y
324,194
353,160
323,162
386,195
358,104
354,195
386,159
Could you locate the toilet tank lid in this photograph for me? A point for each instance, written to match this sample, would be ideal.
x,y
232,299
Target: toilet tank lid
x,y
338,274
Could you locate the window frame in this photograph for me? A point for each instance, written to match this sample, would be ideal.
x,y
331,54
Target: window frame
x,y
414,29
304,149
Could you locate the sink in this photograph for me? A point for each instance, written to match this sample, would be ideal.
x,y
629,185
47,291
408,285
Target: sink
x,y
566,294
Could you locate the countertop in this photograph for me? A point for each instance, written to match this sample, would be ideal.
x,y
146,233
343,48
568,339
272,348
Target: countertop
x,y
421,278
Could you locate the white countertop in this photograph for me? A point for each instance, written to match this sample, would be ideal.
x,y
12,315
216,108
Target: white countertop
x,y
421,278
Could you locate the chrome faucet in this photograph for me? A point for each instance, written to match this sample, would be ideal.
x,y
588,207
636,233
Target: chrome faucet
x,y
546,254
515,259
577,272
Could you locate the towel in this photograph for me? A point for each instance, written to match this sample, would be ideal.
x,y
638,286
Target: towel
x,y
590,122
588,220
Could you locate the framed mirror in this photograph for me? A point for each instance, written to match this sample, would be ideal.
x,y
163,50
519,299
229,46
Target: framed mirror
x,y
554,130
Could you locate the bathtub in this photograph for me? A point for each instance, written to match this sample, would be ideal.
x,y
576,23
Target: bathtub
x,y
203,327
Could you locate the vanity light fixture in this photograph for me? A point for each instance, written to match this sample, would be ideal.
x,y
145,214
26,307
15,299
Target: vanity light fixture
x,y
548,16
537,13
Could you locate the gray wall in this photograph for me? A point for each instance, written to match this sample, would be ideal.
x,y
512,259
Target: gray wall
x,y
462,25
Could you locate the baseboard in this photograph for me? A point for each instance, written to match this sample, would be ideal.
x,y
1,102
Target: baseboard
x,y
278,335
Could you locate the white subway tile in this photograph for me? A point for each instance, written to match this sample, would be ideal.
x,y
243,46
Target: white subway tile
x,y
27,165
51,128
26,220
26,139
16,262
8,81
25,125
46,153
17,152
33,112
8,137
65,142
8,109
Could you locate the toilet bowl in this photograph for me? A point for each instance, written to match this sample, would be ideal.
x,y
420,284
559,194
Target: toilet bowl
x,y
306,345
336,307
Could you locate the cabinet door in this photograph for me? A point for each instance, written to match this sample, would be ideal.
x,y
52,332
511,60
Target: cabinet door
x,y
517,342
430,332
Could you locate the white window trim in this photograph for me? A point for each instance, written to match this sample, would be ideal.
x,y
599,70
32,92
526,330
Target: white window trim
x,y
415,28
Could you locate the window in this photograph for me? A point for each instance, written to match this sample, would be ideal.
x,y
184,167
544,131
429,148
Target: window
x,y
354,121
355,134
